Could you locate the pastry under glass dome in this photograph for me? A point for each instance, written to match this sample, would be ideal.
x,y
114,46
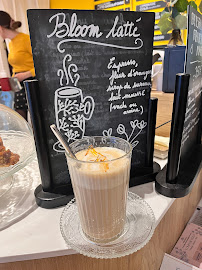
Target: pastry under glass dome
x,y
17,136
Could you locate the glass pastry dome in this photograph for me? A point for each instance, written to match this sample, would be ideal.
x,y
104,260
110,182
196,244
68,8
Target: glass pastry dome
x,y
17,147
17,181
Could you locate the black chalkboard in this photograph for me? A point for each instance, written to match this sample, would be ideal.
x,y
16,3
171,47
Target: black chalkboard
x,y
94,74
193,66
185,149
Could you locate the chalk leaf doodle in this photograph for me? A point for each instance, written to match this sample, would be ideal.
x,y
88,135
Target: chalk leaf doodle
x,y
108,132
72,110
121,130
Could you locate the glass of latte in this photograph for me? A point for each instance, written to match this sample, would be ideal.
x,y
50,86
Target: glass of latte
x,y
100,179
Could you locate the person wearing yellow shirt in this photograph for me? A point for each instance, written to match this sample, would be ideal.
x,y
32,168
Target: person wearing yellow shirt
x,y
19,57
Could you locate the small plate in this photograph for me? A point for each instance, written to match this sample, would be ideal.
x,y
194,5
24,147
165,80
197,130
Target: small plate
x,y
138,230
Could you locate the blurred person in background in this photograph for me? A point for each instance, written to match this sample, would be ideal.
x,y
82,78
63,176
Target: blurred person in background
x,y
19,57
175,39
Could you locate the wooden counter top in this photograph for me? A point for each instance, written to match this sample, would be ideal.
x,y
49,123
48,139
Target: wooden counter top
x,y
164,112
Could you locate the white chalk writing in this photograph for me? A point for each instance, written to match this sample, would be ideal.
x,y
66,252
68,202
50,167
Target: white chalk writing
x,y
75,32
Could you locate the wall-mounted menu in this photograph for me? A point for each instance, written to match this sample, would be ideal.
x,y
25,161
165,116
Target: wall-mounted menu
x,y
109,4
113,5
94,73
193,67
157,7
162,37
151,6
150,1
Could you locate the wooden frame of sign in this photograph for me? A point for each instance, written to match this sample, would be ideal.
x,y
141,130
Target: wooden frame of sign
x,y
93,72
185,149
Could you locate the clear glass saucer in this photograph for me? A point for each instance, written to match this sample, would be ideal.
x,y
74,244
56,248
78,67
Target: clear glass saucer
x,y
138,230
19,201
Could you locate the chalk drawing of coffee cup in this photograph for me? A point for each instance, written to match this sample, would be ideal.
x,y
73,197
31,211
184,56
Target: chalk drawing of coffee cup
x,y
72,110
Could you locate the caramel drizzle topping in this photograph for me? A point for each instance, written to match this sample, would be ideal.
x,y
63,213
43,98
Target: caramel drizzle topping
x,y
99,157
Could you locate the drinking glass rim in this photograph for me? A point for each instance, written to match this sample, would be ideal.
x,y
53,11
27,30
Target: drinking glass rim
x,y
100,162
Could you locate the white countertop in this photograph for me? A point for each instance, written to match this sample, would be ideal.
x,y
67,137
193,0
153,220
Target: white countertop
x,y
37,234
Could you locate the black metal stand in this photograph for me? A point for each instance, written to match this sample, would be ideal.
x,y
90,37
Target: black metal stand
x,y
144,175
178,117
178,176
48,194
147,174
186,178
51,199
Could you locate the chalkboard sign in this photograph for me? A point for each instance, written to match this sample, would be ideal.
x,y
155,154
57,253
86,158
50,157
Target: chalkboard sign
x,y
94,74
193,66
185,149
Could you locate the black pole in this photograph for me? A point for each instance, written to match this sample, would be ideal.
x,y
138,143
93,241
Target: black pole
x,y
33,94
151,131
200,125
177,124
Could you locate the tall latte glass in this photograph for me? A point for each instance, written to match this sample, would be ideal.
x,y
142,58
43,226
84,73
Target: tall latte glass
x,y
100,180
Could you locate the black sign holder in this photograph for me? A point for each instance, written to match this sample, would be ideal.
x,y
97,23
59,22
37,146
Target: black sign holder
x,y
177,177
50,194
93,79
185,149
147,174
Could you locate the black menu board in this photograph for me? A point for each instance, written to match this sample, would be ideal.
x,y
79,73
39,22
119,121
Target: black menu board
x,y
193,66
94,74
185,150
